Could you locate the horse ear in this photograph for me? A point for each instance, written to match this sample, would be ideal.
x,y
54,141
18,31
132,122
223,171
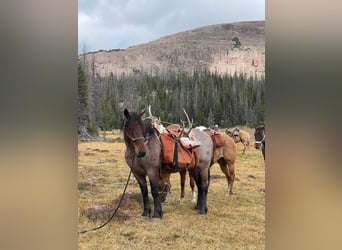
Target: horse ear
x,y
142,113
126,113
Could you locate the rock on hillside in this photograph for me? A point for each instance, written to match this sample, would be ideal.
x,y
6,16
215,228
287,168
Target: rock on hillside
x,y
222,48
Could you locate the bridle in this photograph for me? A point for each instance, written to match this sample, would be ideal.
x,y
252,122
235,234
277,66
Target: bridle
x,y
166,189
261,141
136,138
130,137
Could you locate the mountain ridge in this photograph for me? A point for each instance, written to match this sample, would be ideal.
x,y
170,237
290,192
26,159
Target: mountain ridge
x,y
227,48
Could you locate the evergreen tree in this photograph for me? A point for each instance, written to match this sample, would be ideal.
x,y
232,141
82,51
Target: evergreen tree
x,y
208,98
82,96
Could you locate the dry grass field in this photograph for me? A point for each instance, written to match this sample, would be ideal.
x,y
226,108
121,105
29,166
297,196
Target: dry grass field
x,y
234,223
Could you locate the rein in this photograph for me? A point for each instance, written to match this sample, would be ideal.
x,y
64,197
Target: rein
x,y
117,208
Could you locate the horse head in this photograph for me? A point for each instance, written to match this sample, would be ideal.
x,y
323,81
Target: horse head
x,y
164,186
135,132
259,136
229,132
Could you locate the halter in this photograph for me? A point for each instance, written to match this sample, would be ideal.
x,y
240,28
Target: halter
x,y
135,139
131,138
262,140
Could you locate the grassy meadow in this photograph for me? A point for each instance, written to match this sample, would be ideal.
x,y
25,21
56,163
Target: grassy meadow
x,y
234,223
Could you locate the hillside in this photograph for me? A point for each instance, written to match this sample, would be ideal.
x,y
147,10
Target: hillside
x,y
221,48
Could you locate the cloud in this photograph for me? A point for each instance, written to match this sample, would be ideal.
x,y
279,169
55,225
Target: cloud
x,y
109,24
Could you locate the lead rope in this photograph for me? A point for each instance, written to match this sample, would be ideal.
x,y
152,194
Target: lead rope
x,y
117,208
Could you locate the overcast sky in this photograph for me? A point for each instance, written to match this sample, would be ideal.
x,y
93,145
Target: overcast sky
x,y
114,24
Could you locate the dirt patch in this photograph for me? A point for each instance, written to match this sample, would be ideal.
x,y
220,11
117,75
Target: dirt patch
x,y
85,186
130,203
101,150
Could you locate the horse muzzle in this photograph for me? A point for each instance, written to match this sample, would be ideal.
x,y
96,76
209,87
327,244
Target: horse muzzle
x,y
257,145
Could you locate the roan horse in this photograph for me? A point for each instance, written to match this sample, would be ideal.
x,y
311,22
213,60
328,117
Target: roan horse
x,y
225,156
240,136
143,155
260,142
199,174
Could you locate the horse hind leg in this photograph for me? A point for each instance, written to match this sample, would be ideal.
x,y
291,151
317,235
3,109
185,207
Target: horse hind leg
x,y
244,147
231,178
205,186
192,185
196,177
201,178
226,169
182,174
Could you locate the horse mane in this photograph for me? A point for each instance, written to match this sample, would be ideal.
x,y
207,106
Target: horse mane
x,y
149,128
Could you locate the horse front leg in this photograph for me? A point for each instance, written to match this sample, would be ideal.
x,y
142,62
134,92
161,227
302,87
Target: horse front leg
x,y
144,192
182,174
157,212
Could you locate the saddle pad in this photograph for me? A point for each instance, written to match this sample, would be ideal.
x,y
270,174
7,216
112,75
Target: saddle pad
x,y
218,139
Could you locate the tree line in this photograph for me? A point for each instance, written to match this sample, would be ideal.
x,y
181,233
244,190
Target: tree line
x,y
208,98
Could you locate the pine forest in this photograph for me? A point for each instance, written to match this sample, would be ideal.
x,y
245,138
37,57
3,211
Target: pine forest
x,y
207,97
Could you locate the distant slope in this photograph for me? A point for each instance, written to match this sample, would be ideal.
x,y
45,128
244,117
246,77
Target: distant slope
x,y
221,48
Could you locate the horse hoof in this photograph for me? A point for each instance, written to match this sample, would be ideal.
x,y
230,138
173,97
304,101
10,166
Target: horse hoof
x,y
145,218
202,213
156,219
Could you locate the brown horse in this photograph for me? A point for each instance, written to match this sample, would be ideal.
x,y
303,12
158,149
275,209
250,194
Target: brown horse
x,y
260,142
225,156
240,136
143,155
